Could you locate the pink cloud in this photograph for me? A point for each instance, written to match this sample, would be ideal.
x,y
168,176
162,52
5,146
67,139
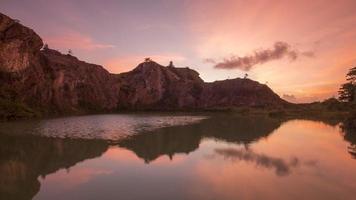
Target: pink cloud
x,y
75,40
245,63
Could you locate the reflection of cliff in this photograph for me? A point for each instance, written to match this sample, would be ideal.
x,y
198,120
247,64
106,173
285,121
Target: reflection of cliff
x,y
241,130
24,158
185,139
166,141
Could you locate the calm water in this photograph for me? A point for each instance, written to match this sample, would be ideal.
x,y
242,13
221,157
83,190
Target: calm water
x,y
176,157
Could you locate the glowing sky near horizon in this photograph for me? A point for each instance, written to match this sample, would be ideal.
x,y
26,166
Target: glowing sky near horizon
x,y
119,34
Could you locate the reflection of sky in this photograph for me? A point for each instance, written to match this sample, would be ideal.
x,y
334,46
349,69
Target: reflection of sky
x,y
119,34
324,170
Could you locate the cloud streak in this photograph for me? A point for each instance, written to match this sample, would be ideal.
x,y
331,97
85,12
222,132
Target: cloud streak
x,y
278,51
75,40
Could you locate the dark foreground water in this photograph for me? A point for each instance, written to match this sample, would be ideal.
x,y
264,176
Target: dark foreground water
x,y
176,157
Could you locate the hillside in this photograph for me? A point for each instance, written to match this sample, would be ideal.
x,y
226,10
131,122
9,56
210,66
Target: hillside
x,y
41,81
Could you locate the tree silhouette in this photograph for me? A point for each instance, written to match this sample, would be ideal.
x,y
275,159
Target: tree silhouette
x,y
246,75
351,75
70,52
148,59
171,64
347,91
45,47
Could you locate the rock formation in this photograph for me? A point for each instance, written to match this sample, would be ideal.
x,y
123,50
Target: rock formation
x,y
19,45
47,82
152,86
238,92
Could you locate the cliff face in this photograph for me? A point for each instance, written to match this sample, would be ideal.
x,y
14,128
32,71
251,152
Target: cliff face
x,y
49,82
19,45
152,86
46,81
59,83
76,85
238,92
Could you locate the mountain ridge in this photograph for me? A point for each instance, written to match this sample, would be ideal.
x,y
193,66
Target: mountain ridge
x,y
35,79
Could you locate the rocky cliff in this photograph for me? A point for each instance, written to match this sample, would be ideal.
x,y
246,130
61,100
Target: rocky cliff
x,y
238,92
36,80
152,86
19,45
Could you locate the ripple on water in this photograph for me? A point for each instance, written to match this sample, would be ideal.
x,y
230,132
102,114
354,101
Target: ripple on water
x,y
108,127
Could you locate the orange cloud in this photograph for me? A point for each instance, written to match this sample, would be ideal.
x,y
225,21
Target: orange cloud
x,y
310,92
231,27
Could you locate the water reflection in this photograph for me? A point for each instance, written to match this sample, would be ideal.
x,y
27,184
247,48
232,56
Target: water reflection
x,y
185,139
107,127
281,166
208,159
25,158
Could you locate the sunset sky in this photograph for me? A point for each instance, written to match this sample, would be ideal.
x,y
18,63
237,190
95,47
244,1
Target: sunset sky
x,y
301,49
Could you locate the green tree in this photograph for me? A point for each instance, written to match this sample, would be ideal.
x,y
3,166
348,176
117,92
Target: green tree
x,y
347,91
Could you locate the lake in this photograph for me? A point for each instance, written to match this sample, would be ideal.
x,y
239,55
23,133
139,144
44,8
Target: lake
x,y
162,156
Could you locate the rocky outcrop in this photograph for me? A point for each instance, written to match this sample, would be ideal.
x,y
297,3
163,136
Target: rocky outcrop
x,y
60,83
75,84
46,81
35,80
238,92
152,86
19,45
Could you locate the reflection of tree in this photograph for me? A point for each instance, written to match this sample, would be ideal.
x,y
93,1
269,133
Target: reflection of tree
x,y
185,139
24,158
350,135
281,167
352,150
